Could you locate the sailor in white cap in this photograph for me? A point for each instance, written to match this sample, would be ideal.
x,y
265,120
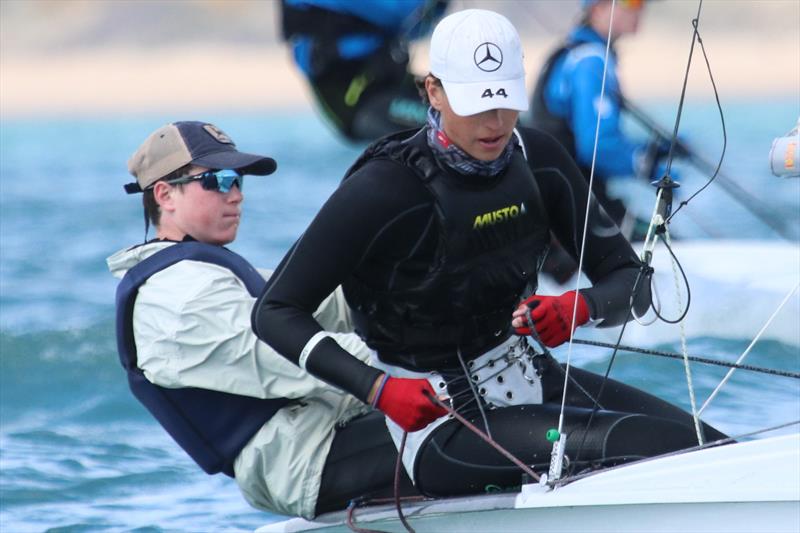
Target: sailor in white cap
x,y
436,237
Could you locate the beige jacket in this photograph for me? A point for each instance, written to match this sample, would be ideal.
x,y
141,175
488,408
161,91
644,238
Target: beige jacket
x,y
192,329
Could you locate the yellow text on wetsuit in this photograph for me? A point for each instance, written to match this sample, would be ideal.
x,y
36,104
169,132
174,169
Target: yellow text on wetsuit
x,y
499,215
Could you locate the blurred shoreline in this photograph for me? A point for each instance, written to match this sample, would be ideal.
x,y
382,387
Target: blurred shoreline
x,y
230,78
77,58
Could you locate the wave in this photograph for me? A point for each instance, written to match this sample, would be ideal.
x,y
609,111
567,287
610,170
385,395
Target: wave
x,y
73,375
79,452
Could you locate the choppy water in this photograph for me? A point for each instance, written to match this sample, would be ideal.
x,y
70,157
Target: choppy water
x,y
79,454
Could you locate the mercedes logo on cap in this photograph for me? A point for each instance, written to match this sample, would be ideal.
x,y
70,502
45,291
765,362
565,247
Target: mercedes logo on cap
x,y
488,57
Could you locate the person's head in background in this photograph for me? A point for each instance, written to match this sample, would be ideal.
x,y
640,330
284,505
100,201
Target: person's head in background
x,y
597,15
191,176
477,81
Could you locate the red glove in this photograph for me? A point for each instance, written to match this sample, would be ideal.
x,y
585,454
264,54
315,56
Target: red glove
x,y
551,316
404,402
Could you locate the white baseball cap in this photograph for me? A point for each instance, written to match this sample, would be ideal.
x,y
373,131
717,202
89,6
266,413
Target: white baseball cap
x,y
478,56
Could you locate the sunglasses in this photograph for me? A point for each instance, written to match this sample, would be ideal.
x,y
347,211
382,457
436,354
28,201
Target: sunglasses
x,y
214,180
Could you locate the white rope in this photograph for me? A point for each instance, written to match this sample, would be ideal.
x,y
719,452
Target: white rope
x,y
650,237
648,246
747,351
586,218
684,349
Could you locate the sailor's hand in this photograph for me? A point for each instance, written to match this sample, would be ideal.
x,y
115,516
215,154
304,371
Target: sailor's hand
x,y
404,401
551,317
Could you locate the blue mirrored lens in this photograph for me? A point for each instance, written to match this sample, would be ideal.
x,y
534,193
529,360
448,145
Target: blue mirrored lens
x,y
222,180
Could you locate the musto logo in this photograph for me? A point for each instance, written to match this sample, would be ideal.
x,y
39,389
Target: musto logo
x,y
500,215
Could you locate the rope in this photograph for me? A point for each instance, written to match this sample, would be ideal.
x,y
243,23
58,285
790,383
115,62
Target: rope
x,y
508,455
552,360
722,120
684,349
685,282
398,465
712,444
585,220
349,522
397,498
634,293
747,351
704,360
474,391
673,140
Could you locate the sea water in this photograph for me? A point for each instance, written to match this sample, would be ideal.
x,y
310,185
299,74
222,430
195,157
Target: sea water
x,y
78,453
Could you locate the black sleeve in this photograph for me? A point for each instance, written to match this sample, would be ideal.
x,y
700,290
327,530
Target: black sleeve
x,y
609,260
379,200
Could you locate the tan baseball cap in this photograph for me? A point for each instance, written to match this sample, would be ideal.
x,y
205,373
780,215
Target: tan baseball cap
x,y
180,143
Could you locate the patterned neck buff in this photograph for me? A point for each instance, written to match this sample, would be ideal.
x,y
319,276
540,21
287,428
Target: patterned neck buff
x,y
456,158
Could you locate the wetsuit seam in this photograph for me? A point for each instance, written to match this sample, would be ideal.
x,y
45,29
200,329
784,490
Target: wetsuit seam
x,y
611,428
570,197
385,228
423,235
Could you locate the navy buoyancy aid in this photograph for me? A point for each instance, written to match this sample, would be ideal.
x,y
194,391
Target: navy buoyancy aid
x,y
492,236
542,117
211,426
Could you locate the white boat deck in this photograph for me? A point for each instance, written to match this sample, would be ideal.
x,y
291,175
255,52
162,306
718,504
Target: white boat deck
x,y
752,486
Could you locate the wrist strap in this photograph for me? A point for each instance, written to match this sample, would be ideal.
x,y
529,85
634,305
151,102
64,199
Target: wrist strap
x,y
309,347
379,390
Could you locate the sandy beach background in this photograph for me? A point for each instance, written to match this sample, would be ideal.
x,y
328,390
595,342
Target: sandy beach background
x,y
111,57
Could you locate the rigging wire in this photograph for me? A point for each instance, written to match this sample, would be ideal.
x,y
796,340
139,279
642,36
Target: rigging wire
x,y
634,293
508,455
721,118
535,336
510,361
398,465
713,444
586,219
617,346
684,350
675,261
673,143
350,520
747,351
474,391
696,359
673,140
752,204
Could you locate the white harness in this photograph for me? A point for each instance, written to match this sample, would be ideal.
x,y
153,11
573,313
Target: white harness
x,y
503,376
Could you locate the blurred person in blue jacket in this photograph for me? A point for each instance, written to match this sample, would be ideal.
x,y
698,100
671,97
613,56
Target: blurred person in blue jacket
x,y
355,57
567,102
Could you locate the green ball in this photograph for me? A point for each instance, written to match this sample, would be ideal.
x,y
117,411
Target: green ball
x,y
552,435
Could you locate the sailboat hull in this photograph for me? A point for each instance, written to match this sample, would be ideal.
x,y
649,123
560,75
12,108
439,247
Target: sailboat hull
x,y
743,487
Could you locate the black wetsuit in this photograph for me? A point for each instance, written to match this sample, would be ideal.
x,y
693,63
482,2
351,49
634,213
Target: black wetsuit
x,y
383,222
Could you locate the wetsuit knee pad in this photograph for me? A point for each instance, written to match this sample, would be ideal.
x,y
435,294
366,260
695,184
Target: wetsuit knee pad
x,y
615,438
454,461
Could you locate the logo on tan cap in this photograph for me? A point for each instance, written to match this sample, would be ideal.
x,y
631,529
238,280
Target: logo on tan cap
x,y
218,134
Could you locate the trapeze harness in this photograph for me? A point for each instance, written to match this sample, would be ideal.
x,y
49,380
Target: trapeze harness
x,y
559,128
543,118
211,426
457,304
492,236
